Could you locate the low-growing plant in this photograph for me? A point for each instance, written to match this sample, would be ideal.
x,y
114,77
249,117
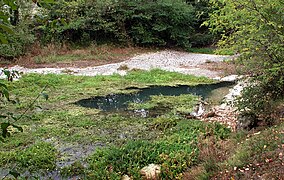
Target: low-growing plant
x,y
72,170
39,157
177,104
175,153
202,50
165,122
123,67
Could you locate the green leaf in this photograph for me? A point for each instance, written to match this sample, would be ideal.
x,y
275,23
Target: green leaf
x,y
11,4
14,117
4,127
63,21
37,106
3,116
45,96
3,39
6,28
3,85
18,127
15,174
5,93
48,1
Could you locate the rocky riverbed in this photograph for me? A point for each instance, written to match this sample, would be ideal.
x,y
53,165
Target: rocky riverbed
x,y
183,62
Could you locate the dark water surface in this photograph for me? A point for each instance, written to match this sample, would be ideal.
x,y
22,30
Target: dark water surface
x,y
116,102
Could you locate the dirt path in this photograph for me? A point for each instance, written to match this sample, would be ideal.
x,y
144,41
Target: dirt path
x,y
183,62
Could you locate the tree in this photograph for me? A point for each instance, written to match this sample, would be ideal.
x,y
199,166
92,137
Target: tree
x,y
255,30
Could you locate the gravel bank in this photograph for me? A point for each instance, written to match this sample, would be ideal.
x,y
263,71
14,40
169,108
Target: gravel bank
x,y
169,60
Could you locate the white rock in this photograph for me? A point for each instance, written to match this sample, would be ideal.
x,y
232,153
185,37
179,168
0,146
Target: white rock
x,y
125,177
151,172
230,78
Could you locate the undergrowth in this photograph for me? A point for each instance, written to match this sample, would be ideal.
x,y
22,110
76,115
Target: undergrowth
x,y
242,156
175,153
38,157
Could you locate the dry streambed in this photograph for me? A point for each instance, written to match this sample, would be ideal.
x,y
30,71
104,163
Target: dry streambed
x,y
168,60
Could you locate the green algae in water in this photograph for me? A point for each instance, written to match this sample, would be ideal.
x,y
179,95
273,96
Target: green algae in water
x,y
117,102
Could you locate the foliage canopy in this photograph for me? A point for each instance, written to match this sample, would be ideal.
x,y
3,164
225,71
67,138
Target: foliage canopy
x,y
254,29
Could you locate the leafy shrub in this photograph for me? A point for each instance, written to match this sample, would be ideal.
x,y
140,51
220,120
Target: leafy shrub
x,y
254,29
18,44
164,22
142,22
74,169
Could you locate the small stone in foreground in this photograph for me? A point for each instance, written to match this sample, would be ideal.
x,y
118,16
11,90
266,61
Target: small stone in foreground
x,y
151,172
125,177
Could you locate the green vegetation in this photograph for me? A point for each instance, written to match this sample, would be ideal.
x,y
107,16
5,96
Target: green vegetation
x,y
161,23
175,152
125,144
258,37
76,87
58,123
242,155
37,135
179,104
202,50
19,43
38,157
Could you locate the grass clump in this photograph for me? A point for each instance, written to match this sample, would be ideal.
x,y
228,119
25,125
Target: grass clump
x,y
164,122
183,103
74,169
161,77
202,50
39,157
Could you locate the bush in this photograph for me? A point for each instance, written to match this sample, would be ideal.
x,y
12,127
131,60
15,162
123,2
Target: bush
x,y
142,22
164,22
18,45
254,29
